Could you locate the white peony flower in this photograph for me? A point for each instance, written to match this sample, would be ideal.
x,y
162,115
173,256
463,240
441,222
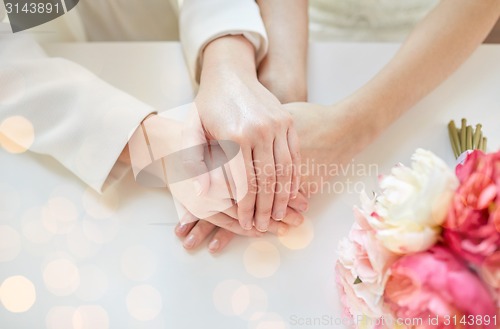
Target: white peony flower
x,y
414,201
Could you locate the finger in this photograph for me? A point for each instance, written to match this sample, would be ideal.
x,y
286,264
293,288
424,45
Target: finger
x,y
216,199
223,221
293,218
232,212
220,240
201,230
283,176
279,228
266,181
246,204
183,214
300,203
182,230
294,149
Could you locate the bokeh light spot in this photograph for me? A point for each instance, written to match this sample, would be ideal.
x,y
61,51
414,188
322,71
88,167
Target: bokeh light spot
x,y
257,301
60,215
61,277
144,302
33,227
16,134
60,317
298,237
17,294
231,297
261,259
90,317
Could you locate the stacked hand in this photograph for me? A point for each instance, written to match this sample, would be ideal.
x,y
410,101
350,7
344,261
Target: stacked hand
x,y
239,102
199,176
234,106
248,189
325,145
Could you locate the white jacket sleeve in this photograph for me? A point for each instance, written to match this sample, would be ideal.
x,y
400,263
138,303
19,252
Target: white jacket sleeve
x,y
202,21
78,119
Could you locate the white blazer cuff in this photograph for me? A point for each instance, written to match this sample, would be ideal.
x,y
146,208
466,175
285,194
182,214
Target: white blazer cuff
x,y
203,21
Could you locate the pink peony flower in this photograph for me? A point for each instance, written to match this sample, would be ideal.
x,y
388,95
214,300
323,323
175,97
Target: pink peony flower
x,y
362,272
490,273
436,285
472,228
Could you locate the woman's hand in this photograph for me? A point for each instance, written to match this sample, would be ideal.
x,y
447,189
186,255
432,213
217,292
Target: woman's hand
x,y
222,225
234,106
340,132
221,228
338,135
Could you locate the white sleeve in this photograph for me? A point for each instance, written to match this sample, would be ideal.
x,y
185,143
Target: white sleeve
x,y
3,14
81,121
202,21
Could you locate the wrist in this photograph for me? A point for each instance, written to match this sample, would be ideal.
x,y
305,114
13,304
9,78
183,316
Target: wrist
x,y
231,54
361,112
381,102
286,84
286,79
155,138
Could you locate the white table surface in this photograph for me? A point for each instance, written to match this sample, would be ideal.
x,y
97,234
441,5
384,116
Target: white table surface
x,y
117,264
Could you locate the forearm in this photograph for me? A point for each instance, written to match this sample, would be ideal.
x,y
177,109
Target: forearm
x,y
234,106
434,50
286,24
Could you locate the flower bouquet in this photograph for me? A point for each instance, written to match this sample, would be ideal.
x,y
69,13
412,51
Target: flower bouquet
x,y
425,252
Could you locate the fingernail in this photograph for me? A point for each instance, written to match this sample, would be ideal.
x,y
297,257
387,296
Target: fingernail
x,y
298,220
279,216
304,206
262,229
181,228
247,226
197,188
190,241
214,245
282,230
